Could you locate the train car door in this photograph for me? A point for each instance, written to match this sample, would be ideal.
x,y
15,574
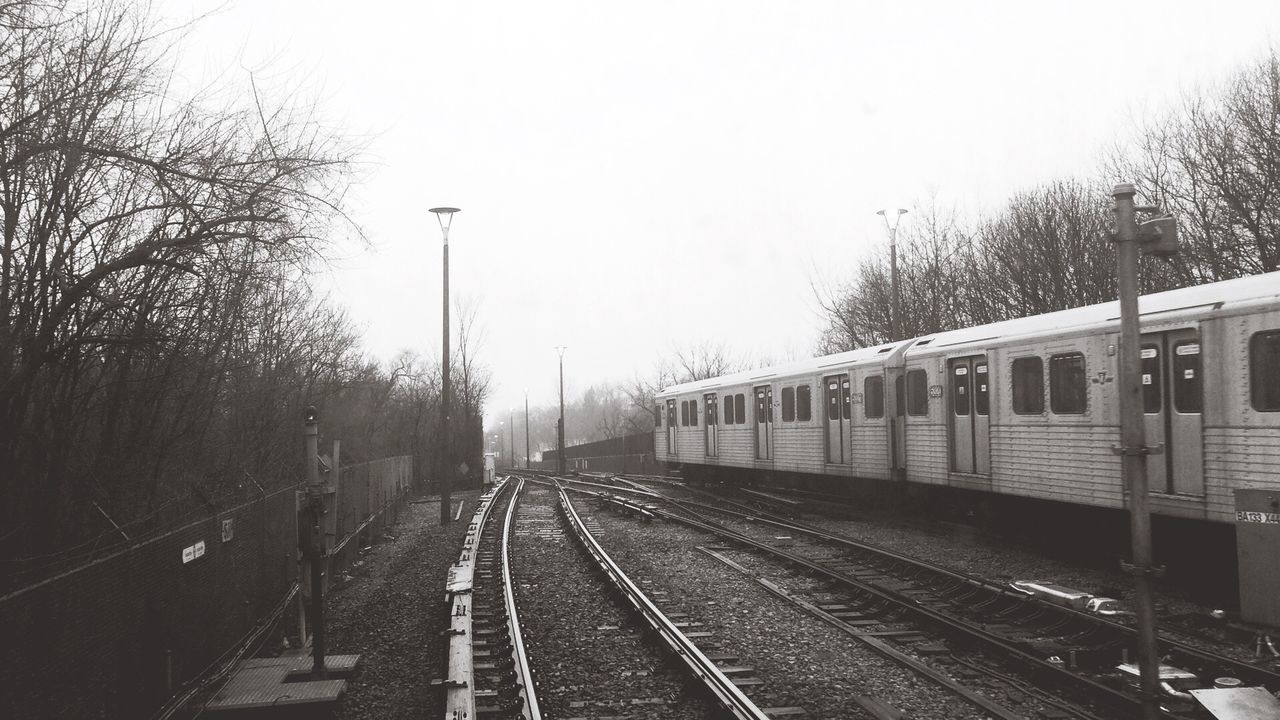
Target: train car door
x,y
970,412
1172,403
898,424
671,427
712,421
764,423
836,394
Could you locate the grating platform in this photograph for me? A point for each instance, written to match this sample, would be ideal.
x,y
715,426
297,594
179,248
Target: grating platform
x,y
282,682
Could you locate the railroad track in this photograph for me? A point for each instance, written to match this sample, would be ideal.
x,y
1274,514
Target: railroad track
x,y
1048,646
488,667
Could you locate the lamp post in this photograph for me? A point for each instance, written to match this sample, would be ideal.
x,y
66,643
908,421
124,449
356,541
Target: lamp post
x,y
444,215
560,428
895,317
526,428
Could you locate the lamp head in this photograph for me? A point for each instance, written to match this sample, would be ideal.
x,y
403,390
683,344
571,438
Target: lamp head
x,y
444,215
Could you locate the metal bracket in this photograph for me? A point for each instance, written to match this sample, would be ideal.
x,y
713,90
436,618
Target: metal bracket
x,y
453,631
1155,571
449,683
1158,449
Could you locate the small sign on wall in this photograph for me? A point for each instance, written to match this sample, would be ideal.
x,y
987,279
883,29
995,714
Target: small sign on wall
x,y
192,552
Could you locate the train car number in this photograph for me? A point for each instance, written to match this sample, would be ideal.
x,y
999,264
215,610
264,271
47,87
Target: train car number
x,y
1257,517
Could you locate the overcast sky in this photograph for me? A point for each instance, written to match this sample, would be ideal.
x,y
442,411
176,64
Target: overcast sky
x,y
638,177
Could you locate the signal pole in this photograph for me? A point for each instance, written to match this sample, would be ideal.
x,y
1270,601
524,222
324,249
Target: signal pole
x,y
1158,237
560,427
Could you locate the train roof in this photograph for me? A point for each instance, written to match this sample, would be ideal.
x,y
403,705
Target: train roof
x,y
1252,290
800,367
1203,298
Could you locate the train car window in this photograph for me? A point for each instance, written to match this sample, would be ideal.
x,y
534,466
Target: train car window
x,y
788,404
1188,395
960,390
981,392
684,413
803,403
1151,379
917,392
1028,386
693,413
846,401
1068,388
728,410
1264,371
657,416
741,413
873,396
900,395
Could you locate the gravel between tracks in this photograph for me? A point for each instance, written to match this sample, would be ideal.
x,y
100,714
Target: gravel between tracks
x,y
802,660
392,612
588,657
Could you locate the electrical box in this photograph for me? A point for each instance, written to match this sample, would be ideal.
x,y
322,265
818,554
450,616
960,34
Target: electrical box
x,y
1258,555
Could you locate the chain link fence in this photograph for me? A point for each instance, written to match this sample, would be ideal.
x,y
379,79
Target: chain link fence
x,y
123,634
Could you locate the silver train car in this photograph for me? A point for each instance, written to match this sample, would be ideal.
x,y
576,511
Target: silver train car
x,y
1025,407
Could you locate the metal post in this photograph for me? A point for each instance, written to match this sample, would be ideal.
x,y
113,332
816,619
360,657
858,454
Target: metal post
x,y
315,539
526,429
511,418
445,217
895,309
560,426
1133,445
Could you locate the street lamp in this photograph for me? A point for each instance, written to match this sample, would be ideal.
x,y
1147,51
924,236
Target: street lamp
x,y
560,429
895,317
526,428
444,215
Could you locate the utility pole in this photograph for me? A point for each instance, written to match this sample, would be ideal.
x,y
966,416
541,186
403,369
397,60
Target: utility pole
x,y
1158,237
526,429
314,507
560,426
511,418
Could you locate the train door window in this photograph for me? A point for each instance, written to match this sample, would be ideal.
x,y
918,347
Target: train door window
x,y
803,403
657,416
713,410
917,392
1068,389
960,390
873,397
1264,371
981,391
1151,379
693,413
671,413
833,399
741,413
788,404
846,401
1187,394
1028,386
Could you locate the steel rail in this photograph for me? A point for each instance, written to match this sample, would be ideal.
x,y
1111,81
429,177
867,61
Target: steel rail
x,y
529,709
912,607
458,683
1246,671
726,693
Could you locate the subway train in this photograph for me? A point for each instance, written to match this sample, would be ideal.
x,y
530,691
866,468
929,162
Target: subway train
x,y
1024,408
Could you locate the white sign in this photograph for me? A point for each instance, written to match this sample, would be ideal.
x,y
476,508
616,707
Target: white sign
x,y
1192,349
1257,517
192,552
